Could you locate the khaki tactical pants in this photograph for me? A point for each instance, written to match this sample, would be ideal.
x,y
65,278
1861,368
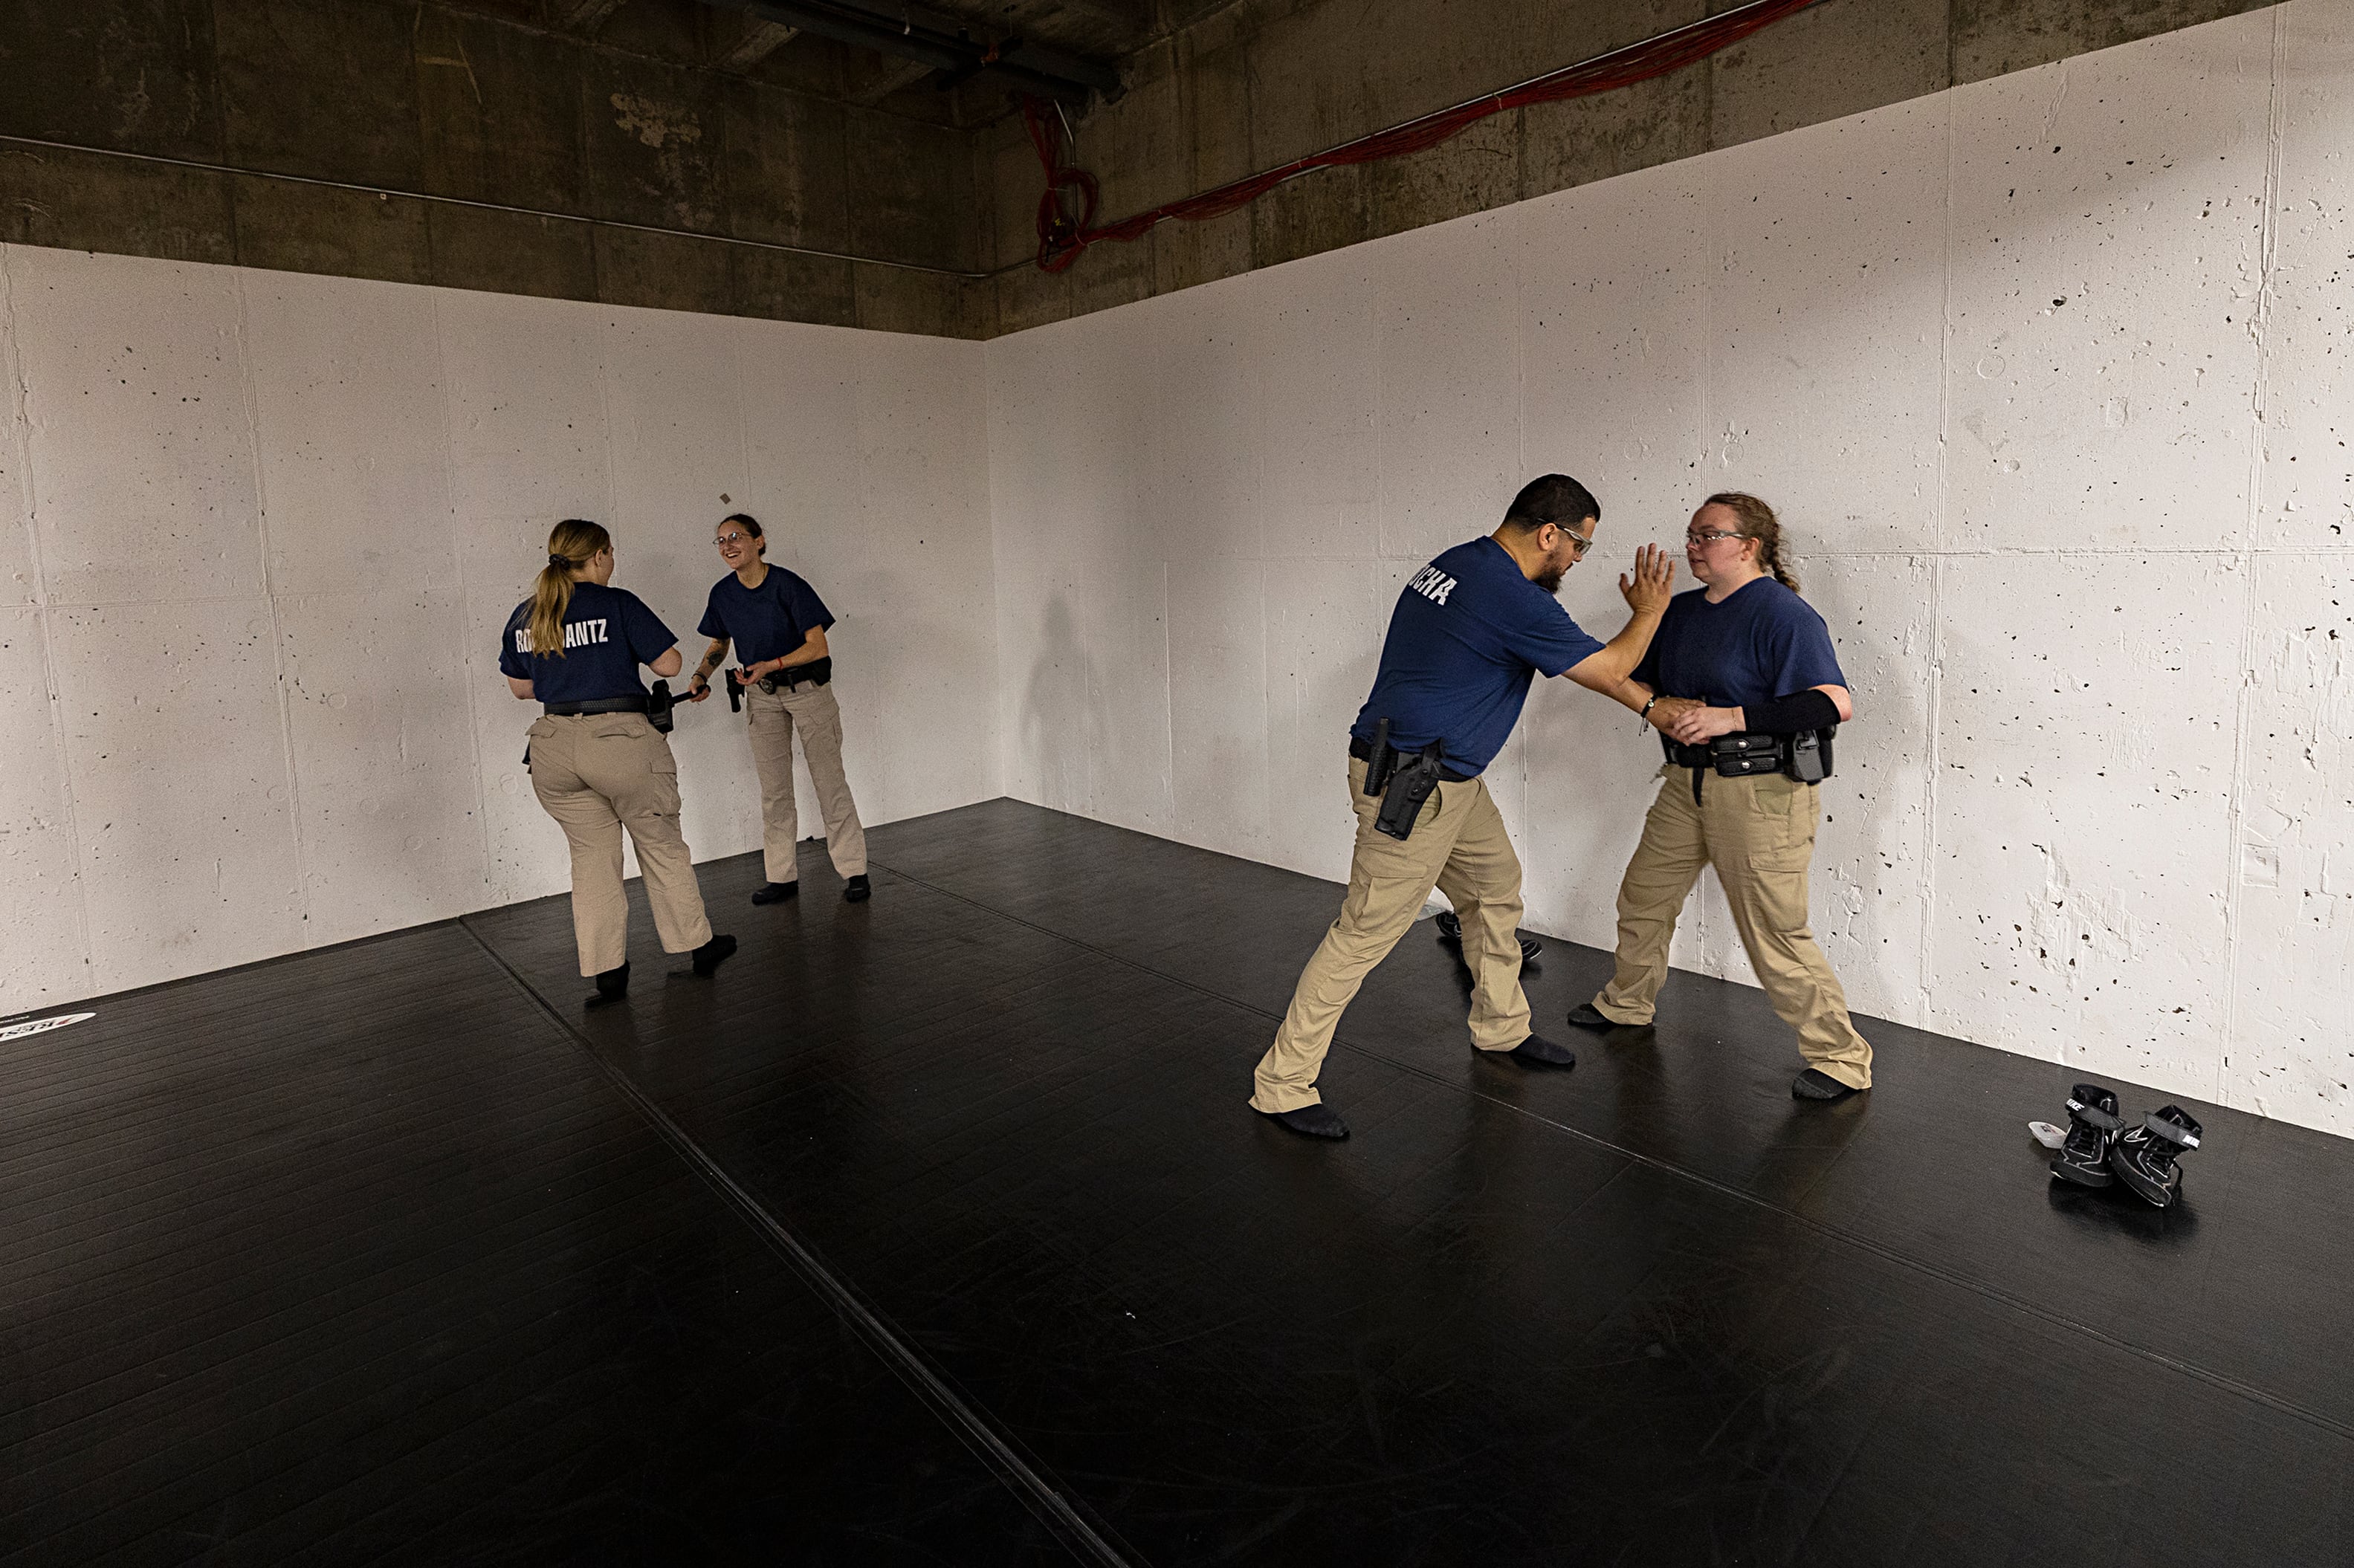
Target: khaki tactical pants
x,y
597,774
1760,833
1460,847
774,716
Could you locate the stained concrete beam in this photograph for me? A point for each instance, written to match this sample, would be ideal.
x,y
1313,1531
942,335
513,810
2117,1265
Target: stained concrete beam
x,y
584,15
890,79
139,76
499,111
760,40
88,201
324,88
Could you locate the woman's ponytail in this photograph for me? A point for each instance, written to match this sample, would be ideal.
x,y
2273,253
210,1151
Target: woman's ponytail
x,y
1758,522
574,543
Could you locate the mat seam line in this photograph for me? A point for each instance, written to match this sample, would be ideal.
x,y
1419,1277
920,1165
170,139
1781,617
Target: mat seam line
x,y
1888,1255
1044,1501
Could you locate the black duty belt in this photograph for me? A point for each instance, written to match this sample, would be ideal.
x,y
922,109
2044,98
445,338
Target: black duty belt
x,y
1804,756
601,705
1363,750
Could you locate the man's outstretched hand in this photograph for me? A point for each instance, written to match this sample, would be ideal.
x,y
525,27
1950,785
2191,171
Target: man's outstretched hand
x,y
1650,585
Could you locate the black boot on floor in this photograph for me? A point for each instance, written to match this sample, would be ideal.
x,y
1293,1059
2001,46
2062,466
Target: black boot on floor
x,y
776,892
2093,1127
857,891
1311,1121
1537,1051
1816,1085
1450,929
707,958
612,986
2144,1156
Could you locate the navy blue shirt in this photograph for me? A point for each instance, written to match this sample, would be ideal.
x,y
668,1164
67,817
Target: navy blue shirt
x,y
1467,633
608,633
1763,641
766,622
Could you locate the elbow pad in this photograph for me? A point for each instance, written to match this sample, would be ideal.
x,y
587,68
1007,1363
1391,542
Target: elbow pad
x,y
1808,710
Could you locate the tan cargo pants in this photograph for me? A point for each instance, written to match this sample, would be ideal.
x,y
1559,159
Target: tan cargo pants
x,y
1459,846
819,717
597,774
1760,833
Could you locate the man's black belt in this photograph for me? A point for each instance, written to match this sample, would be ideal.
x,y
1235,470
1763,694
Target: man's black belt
x,y
637,705
1363,750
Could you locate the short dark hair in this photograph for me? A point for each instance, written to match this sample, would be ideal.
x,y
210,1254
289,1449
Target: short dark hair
x,y
1557,499
751,523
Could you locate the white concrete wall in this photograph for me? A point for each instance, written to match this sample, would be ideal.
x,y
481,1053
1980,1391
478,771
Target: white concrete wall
x,y
2050,376
258,532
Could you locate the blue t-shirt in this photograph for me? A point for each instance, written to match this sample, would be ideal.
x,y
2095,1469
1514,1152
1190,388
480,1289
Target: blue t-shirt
x,y
766,622
608,633
1763,641
1467,633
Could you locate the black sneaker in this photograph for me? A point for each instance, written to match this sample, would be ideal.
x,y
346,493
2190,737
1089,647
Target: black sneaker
x,y
1816,1085
2093,1127
1311,1121
612,986
858,890
1585,1016
776,892
1537,1051
711,955
2144,1156
1450,929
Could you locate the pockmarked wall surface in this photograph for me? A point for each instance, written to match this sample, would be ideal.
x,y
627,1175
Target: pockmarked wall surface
x,y
260,532
2050,377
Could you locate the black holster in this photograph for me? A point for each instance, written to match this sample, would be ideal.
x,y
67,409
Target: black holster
x,y
735,693
1402,781
658,703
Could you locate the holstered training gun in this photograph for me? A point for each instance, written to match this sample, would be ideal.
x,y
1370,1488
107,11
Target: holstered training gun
x,y
1403,785
735,694
658,703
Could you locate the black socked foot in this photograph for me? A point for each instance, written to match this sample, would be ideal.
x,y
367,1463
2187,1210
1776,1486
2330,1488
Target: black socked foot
x,y
1816,1085
776,892
1537,1051
612,986
857,891
1311,1121
712,954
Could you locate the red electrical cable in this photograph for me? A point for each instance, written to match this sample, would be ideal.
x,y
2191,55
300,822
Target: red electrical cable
x,y
1063,234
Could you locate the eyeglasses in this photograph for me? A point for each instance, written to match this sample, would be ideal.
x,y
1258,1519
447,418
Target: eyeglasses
x,y
729,539
1582,542
1711,536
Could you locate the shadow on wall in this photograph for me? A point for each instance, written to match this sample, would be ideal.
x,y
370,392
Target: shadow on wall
x,y
1061,729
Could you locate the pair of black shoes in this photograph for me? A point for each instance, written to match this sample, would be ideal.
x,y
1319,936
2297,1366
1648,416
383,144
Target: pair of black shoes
x,y
612,985
2101,1151
1813,1083
1323,1122
857,890
1450,930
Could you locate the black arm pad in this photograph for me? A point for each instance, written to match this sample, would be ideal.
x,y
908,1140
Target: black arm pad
x,y
1810,709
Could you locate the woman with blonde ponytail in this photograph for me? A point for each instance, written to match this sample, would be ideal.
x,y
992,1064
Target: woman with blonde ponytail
x,y
1745,689
596,762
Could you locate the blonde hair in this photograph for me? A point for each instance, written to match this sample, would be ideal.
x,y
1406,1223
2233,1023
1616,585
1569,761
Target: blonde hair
x,y
574,543
1758,522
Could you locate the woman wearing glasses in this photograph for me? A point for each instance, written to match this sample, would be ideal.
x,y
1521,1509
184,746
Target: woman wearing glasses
x,y
1742,682
777,625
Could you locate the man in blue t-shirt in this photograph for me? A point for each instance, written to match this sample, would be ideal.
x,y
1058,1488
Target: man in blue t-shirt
x,y
777,625
1469,631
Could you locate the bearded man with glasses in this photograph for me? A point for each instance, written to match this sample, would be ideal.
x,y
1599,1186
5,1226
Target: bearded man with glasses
x,y
1744,687
1469,632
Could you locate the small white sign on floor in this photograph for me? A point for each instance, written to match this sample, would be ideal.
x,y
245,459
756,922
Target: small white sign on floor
x,y
41,1025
